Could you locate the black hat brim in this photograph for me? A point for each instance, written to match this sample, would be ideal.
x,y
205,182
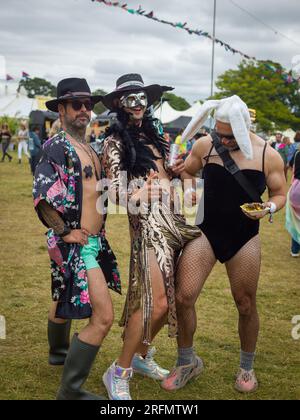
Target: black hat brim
x,y
53,104
154,94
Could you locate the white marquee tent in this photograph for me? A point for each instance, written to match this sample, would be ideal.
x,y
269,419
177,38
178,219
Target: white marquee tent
x,y
14,103
166,114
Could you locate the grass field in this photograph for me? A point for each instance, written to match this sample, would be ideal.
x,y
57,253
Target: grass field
x,y
25,297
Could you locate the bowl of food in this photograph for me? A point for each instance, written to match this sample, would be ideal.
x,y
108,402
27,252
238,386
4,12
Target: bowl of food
x,y
255,209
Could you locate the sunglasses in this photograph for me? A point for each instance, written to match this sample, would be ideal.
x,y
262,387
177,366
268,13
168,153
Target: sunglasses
x,y
227,137
134,99
77,105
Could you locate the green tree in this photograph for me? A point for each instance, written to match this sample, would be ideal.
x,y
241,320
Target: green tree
x,y
177,102
99,108
276,101
38,86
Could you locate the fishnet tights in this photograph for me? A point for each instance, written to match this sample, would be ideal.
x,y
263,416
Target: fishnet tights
x,y
243,271
195,265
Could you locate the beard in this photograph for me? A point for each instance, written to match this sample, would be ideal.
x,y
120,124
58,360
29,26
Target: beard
x,y
78,124
76,127
81,123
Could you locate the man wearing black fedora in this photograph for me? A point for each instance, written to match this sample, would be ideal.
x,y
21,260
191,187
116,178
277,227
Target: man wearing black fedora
x,y
135,149
83,266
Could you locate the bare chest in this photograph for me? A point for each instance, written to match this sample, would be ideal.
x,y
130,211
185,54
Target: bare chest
x,y
162,173
90,164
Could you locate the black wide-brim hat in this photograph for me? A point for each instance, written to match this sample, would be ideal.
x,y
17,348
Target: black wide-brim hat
x,y
72,88
133,83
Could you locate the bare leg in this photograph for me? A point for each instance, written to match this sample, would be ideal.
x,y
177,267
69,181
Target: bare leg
x,y
195,265
85,347
103,316
243,271
156,327
134,329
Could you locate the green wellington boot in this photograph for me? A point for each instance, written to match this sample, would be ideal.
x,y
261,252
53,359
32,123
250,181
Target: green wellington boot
x,y
78,364
59,342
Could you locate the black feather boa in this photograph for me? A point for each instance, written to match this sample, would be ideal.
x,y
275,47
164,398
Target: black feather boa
x,y
138,158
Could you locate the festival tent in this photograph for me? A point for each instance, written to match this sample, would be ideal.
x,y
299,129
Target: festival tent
x,y
166,114
15,103
191,112
172,118
182,122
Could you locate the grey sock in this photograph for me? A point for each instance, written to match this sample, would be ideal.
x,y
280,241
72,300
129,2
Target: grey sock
x,y
185,356
247,360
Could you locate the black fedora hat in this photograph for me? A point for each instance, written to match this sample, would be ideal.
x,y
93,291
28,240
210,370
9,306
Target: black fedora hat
x,y
133,83
71,88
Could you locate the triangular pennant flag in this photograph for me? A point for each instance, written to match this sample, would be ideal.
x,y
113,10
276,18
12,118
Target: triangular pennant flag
x,y
8,78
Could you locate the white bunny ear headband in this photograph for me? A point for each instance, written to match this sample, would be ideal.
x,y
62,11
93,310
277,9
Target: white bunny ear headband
x,y
232,111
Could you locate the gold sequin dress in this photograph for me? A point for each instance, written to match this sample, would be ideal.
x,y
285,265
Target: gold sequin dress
x,y
162,230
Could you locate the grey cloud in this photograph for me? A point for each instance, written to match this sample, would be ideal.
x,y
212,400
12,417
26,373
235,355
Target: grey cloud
x,y
78,37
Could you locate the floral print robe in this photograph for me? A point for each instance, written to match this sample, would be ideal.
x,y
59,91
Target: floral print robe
x,y
58,181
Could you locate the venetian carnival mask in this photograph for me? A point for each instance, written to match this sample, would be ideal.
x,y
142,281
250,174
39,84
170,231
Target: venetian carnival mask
x,y
134,100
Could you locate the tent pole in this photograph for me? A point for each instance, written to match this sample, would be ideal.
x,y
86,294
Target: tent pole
x,y
213,57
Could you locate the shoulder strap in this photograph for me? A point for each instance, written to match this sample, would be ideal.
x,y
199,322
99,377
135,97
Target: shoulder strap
x,y
234,170
209,154
264,158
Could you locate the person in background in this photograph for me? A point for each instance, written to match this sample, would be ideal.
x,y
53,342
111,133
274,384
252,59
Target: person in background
x,y
93,136
278,141
283,150
189,144
182,145
23,136
168,138
293,207
35,148
5,136
55,128
294,147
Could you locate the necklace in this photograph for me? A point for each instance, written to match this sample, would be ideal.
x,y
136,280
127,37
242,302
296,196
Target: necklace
x,y
88,170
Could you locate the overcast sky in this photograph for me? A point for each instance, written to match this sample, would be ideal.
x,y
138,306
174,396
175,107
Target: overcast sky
x,y
61,38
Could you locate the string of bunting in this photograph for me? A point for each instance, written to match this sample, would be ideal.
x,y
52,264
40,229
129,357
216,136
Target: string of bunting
x,y
8,77
287,76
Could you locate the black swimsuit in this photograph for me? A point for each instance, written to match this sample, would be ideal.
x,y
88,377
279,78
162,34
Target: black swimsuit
x,y
225,225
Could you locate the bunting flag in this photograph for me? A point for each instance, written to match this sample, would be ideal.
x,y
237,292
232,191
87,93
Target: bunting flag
x,y
287,76
8,78
25,75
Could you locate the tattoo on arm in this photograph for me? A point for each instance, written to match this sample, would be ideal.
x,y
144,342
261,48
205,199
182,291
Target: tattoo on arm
x,y
51,217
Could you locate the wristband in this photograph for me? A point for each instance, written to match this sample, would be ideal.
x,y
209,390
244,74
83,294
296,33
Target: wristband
x,y
273,207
